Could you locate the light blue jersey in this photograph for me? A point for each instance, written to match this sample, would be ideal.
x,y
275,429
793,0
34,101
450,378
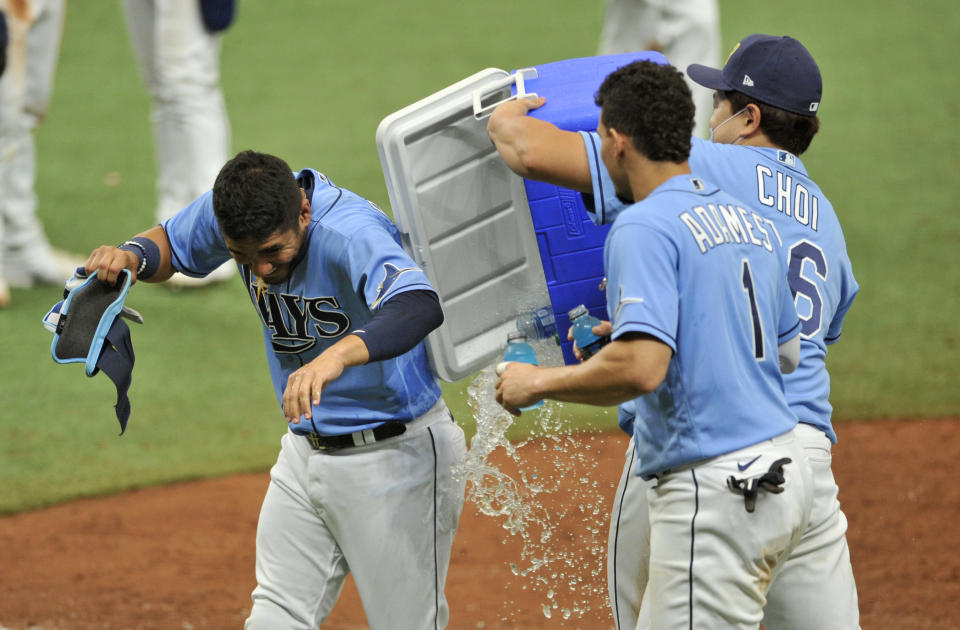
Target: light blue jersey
x,y
775,184
691,266
351,263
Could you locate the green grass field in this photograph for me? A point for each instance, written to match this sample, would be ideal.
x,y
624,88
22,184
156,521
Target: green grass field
x,y
311,80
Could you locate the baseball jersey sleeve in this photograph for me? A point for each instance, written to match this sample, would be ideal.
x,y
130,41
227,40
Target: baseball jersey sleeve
x,y
606,205
642,289
196,245
789,325
380,267
848,291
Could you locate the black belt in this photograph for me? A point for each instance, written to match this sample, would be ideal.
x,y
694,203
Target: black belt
x,y
357,438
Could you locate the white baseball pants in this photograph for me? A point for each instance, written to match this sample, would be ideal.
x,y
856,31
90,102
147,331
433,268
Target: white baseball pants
x,y
180,63
685,31
813,589
36,29
386,513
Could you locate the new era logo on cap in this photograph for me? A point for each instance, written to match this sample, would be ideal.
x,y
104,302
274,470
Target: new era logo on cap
x,y
814,106
747,80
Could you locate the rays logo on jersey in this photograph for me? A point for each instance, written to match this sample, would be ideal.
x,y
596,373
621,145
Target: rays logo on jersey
x,y
376,207
390,275
295,322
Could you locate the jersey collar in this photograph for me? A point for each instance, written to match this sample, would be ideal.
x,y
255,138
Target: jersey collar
x,y
687,183
782,157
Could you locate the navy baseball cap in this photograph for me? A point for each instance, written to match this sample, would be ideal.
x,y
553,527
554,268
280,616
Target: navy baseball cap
x,y
774,70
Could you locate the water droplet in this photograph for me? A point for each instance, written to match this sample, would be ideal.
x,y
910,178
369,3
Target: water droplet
x,y
518,500
546,611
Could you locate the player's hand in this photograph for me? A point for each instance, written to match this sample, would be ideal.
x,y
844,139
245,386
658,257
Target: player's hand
x,y
603,329
515,387
305,386
108,262
517,107
528,103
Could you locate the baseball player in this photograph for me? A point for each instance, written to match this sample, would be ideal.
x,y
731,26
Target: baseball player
x,y
363,483
767,98
179,56
686,31
701,328
34,31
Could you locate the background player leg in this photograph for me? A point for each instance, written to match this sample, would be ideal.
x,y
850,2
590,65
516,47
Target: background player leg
x,y
686,31
180,63
25,92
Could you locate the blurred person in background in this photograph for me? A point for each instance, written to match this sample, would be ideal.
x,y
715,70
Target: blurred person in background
x,y
686,31
177,44
33,31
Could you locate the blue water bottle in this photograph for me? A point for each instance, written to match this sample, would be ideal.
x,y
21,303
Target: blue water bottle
x,y
538,324
522,352
583,323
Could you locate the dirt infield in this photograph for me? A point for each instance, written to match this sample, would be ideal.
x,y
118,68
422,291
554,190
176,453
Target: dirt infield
x,y
181,556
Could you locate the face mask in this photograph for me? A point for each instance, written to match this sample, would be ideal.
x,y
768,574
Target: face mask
x,y
713,130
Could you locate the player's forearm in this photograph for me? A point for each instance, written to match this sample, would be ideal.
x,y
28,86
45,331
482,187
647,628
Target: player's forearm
x,y
508,130
165,269
349,351
539,150
621,371
148,260
400,323
305,386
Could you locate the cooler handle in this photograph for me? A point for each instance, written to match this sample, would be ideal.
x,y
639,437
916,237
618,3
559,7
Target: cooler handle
x,y
517,78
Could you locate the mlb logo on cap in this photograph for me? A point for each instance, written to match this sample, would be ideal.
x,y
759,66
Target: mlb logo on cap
x,y
774,70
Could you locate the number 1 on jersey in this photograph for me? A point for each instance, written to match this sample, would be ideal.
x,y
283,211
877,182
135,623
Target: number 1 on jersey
x,y
748,288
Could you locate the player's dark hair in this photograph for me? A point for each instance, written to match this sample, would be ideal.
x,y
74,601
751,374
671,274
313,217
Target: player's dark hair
x,y
254,196
787,130
649,103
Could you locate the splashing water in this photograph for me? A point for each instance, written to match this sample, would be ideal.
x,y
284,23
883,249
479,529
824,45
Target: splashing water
x,y
531,503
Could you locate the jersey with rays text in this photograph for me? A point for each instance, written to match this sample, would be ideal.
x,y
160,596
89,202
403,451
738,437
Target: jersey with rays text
x,y
350,264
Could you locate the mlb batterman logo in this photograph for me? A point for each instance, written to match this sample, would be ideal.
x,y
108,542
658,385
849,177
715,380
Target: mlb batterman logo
x,y
785,157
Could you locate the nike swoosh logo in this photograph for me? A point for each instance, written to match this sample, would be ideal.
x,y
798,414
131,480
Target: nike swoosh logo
x,y
743,467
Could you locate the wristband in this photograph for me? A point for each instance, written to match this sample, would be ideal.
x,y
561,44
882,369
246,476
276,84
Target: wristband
x,y
139,251
147,253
